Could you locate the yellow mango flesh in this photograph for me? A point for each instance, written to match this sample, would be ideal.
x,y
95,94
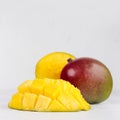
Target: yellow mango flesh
x,y
48,95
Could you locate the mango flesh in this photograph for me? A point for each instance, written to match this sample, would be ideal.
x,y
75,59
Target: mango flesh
x,y
48,95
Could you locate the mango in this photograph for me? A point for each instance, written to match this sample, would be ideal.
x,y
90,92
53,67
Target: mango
x,y
50,95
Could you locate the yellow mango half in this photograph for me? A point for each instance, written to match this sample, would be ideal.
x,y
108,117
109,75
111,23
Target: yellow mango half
x,y
50,95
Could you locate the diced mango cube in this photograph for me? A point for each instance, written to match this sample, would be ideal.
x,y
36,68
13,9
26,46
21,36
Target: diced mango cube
x,y
25,86
37,86
54,90
42,103
29,101
56,106
69,102
16,101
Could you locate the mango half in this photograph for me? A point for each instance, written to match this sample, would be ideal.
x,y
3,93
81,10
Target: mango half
x,y
50,95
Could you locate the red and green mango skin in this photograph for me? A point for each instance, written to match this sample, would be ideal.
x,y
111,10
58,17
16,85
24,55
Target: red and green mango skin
x,y
91,76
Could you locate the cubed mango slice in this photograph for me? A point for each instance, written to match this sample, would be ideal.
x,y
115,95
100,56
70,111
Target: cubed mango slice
x,y
48,95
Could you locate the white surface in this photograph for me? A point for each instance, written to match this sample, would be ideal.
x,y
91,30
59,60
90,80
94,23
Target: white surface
x,y
30,29
108,110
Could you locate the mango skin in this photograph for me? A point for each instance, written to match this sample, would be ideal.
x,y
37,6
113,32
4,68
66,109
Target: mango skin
x,y
91,77
48,95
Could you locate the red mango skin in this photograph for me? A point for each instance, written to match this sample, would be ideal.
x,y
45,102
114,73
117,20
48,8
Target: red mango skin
x,y
91,77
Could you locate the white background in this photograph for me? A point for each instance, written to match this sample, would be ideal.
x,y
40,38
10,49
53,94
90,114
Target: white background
x,y
29,29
